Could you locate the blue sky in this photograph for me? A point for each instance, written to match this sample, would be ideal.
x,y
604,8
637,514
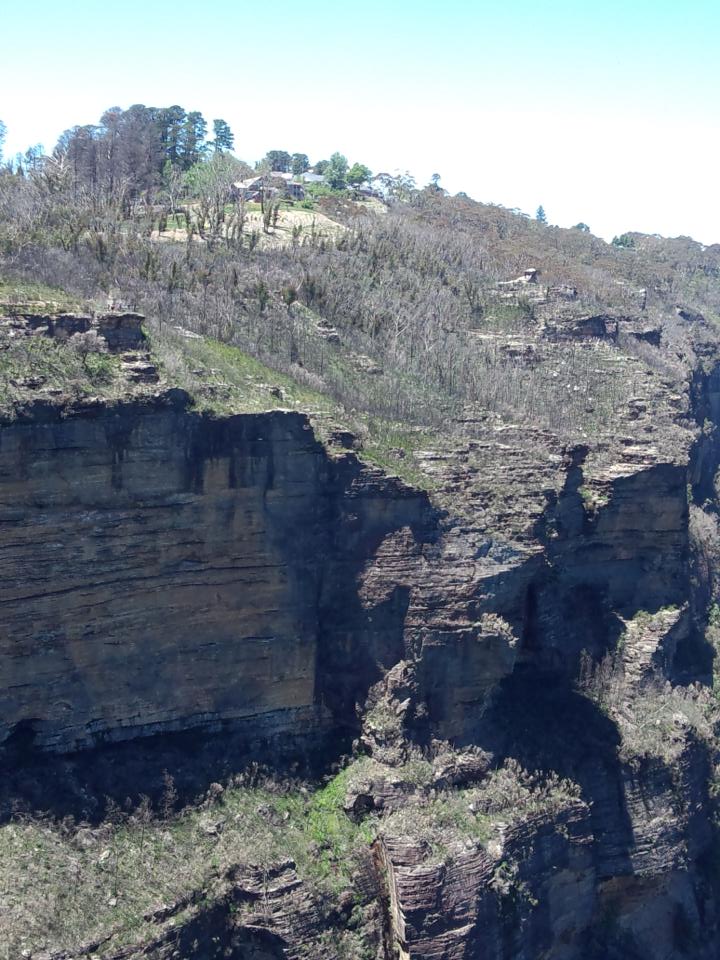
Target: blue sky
x,y
607,113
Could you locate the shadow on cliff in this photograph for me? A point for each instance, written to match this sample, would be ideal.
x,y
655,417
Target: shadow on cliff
x,y
539,719
180,766
379,526
614,555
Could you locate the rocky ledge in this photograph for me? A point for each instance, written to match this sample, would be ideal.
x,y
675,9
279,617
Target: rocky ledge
x,y
166,570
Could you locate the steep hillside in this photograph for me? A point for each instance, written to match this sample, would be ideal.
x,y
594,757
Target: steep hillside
x,y
359,595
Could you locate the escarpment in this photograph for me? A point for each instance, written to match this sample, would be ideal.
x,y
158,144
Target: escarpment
x,y
163,570
517,662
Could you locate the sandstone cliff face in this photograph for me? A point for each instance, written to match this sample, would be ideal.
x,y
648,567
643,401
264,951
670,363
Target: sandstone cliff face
x,y
502,903
164,570
611,583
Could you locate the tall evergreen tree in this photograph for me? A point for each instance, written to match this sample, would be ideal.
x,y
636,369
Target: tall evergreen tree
x,y
171,124
224,137
193,144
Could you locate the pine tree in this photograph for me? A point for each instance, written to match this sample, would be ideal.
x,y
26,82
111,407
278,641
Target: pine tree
x,y
540,215
193,145
224,137
170,122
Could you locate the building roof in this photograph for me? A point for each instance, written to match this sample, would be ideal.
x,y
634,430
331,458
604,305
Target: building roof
x,y
247,184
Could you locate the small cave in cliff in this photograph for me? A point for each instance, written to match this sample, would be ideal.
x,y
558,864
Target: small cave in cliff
x,y
560,625
540,719
19,746
693,660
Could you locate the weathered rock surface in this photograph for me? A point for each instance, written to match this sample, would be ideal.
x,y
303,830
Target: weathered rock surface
x,y
121,331
163,571
533,888
259,913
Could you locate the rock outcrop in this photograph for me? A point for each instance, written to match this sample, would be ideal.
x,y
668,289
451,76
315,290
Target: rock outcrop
x,y
121,331
165,570
502,901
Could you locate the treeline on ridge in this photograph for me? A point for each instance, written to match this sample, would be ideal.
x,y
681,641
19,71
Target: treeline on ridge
x,y
412,287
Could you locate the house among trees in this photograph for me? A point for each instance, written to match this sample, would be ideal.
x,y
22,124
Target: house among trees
x,y
249,189
295,190
272,184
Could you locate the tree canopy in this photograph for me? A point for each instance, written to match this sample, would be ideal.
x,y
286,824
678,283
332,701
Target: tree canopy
x,y
358,173
300,164
279,160
224,137
128,149
336,171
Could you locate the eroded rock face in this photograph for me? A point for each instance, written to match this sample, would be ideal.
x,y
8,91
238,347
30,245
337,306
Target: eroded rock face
x,y
627,553
161,570
121,331
612,581
502,901
258,913
164,570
